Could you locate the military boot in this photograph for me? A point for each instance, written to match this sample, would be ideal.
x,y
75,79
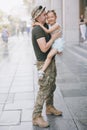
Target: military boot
x,y
52,110
39,121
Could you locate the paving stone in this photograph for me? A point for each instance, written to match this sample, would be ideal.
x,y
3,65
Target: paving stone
x,y
20,105
24,96
82,125
10,118
71,86
27,115
61,124
24,78
3,97
26,74
83,121
61,105
22,126
83,79
4,90
22,74
21,89
77,107
1,107
67,80
4,82
10,98
74,92
38,128
4,127
22,84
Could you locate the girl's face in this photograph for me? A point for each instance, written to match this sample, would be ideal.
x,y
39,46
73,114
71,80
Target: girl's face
x,y
51,18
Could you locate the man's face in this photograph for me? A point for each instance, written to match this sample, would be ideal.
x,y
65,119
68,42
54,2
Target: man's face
x,y
42,17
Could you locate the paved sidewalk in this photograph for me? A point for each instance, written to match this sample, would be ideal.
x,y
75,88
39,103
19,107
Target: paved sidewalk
x,y
18,87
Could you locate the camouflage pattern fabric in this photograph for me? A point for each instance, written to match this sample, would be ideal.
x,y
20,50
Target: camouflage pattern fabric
x,y
47,88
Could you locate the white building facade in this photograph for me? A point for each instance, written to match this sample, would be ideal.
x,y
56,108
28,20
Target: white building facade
x,y
68,12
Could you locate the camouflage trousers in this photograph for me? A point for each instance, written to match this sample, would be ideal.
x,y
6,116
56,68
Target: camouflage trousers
x,y
46,89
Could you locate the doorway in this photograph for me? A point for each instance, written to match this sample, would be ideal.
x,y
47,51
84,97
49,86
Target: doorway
x,y
83,26
83,8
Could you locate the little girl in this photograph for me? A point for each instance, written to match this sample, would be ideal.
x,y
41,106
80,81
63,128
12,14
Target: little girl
x,y
57,46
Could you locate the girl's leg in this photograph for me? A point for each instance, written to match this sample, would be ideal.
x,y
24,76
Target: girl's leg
x,y
52,53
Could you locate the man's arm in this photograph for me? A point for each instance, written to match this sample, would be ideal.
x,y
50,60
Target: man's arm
x,y
45,46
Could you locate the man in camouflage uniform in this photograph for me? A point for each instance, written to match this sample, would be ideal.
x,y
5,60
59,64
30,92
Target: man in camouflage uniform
x,y
42,44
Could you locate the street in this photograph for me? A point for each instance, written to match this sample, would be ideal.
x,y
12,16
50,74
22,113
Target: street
x,y
18,86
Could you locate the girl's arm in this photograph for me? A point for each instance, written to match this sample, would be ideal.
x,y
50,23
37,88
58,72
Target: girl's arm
x,y
52,29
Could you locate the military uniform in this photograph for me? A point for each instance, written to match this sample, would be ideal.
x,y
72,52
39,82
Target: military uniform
x,y
47,88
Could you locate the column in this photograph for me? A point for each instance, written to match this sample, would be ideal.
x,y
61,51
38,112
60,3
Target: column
x,y
71,20
57,6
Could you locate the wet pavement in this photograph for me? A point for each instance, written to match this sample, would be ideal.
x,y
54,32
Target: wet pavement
x,y
18,86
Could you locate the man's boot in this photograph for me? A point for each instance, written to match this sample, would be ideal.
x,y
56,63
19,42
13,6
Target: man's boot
x,y
52,110
39,121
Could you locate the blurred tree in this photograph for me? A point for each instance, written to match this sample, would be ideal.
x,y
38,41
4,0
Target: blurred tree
x,y
29,4
1,15
1,19
26,2
14,20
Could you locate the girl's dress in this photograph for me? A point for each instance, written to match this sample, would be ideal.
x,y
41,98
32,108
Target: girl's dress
x,y
83,29
58,43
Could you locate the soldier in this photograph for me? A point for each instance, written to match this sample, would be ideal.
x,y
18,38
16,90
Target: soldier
x,y
42,43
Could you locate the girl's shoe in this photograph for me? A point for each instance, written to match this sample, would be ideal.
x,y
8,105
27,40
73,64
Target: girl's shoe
x,y
40,74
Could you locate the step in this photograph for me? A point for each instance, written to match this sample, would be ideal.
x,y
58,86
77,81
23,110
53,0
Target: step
x,y
80,50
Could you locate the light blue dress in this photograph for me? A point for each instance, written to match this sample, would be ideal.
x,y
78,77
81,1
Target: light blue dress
x,y
58,43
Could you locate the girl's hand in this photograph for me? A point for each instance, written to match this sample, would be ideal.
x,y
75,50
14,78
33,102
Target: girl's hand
x,y
37,23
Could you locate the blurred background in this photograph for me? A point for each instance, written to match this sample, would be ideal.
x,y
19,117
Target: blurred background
x,y
15,15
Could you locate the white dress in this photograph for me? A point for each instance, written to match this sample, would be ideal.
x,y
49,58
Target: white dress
x,y
83,31
58,43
